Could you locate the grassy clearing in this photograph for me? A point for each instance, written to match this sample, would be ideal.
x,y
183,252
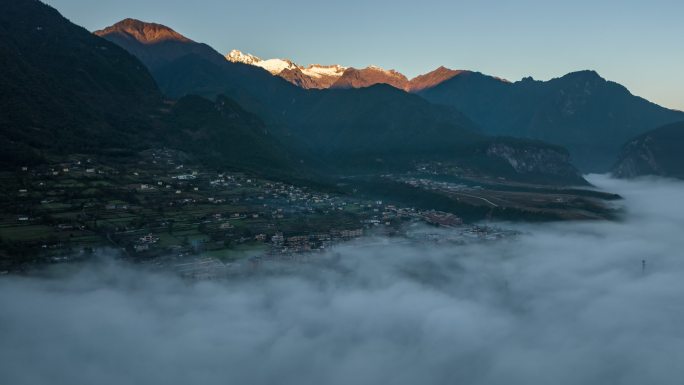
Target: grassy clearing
x,y
238,252
26,232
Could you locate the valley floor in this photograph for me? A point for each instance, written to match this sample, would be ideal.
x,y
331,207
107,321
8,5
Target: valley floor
x,y
159,204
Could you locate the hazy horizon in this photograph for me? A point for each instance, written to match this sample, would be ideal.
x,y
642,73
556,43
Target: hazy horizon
x,y
627,42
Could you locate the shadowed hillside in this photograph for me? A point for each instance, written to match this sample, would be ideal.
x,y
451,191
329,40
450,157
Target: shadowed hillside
x,y
64,90
581,111
657,152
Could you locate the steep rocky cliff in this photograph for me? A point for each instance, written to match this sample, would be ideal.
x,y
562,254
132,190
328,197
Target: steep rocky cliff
x,y
535,160
657,152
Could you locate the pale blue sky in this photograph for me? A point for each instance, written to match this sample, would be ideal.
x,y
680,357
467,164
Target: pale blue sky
x,y
637,43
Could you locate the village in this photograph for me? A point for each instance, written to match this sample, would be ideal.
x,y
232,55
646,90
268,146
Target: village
x,y
160,204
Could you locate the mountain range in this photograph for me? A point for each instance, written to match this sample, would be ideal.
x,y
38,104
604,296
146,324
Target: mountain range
x,y
345,126
245,112
94,97
312,76
581,111
338,76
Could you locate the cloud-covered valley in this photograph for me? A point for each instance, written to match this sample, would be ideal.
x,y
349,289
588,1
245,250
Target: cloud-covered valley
x,y
562,303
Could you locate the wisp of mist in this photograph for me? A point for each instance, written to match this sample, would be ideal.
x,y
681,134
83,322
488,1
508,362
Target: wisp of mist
x,y
562,303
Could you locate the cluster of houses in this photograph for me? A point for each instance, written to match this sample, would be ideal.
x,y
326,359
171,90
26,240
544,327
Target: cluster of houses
x,y
312,242
266,206
439,218
430,184
145,241
73,168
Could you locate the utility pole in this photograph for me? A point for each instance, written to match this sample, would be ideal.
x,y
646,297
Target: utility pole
x,y
643,266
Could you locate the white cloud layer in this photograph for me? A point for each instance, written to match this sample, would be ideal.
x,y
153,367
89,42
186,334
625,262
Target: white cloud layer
x,y
563,303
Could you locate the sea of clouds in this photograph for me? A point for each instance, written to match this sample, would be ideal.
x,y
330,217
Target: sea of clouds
x,y
563,303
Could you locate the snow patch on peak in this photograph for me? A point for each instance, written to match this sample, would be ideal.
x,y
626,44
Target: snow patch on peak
x,y
236,56
276,66
318,71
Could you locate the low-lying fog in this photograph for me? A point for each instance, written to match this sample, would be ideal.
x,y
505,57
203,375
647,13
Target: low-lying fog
x,y
565,303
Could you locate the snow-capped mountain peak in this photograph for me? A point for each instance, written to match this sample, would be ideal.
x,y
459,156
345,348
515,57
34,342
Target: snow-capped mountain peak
x,y
274,66
236,56
319,71
338,76
312,76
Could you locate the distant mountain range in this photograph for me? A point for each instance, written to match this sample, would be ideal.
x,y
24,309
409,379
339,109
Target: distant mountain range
x,y
380,126
232,111
590,116
93,97
338,76
581,111
312,76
